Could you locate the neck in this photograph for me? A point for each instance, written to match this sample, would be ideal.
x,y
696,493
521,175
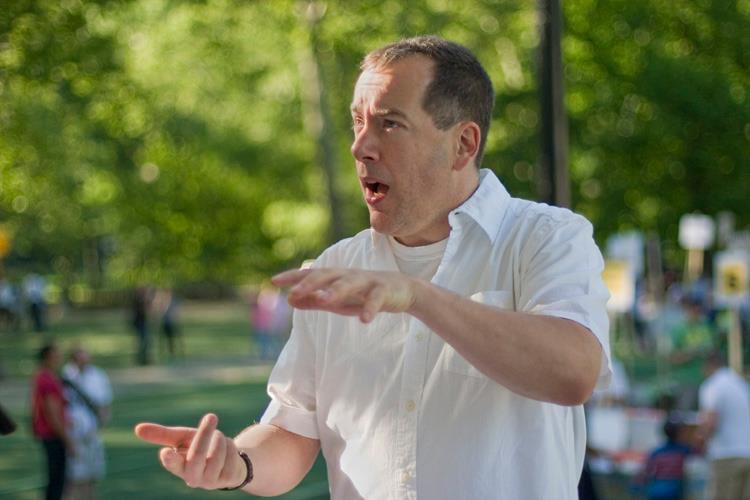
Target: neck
x,y
467,184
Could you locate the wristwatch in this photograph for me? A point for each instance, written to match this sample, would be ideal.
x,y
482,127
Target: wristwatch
x,y
248,475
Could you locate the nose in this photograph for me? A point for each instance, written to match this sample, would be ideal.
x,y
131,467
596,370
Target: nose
x,y
365,145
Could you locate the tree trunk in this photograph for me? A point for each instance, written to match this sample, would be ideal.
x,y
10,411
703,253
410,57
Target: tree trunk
x,y
317,117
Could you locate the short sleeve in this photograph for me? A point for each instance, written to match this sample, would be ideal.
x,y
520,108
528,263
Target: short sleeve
x,y
291,385
562,276
102,389
708,397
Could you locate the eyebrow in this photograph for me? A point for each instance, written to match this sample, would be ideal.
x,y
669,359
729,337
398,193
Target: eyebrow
x,y
383,112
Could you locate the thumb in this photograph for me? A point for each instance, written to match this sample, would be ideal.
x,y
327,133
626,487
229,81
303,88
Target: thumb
x,y
173,461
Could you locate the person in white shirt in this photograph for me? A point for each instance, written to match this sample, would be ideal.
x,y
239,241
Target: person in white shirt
x,y
724,399
89,395
446,351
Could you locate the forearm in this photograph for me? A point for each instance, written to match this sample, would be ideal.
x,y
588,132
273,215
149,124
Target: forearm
x,y
539,357
707,426
280,458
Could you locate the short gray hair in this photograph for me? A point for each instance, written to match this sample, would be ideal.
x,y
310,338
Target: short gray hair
x,y
460,88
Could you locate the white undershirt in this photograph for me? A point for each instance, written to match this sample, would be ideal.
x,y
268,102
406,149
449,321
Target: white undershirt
x,y
419,262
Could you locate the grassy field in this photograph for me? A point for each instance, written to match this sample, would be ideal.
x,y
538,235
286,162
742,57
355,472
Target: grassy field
x,y
208,330
169,395
134,471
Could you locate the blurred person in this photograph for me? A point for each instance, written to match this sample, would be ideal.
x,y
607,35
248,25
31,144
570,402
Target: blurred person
x,y
10,305
269,319
140,309
443,353
33,288
89,396
663,475
693,337
724,399
48,419
166,303
282,323
7,425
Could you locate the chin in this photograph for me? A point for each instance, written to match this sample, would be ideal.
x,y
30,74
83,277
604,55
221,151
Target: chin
x,y
380,223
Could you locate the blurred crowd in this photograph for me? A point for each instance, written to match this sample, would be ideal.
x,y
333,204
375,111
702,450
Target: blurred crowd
x,y
679,428
69,406
23,303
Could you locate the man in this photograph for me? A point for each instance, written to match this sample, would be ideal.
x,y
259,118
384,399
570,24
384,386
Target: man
x,y
724,399
48,419
89,394
446,351
33,287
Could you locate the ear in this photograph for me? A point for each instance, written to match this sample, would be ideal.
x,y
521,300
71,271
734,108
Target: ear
x,y
468,138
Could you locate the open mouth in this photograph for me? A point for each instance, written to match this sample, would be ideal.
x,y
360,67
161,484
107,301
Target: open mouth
x,y
375,191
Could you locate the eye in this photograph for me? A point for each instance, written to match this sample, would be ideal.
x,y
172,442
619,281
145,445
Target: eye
x,y
390,124
357,123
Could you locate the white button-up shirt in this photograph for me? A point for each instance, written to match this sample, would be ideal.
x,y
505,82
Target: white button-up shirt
x,y
399,413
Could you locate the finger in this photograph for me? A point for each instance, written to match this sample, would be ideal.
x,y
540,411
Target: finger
x,y
165,436
373,304
173,461
196,455
316,279
291,277
228,473
215,457
349,289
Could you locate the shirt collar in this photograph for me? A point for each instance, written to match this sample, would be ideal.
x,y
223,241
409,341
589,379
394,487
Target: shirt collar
x,y
486,206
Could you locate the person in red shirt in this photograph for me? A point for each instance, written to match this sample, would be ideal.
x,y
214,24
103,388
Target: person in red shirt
x,y
48,419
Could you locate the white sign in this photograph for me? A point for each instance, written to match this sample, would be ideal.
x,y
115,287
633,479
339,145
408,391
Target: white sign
x,y
731,277
696,231
627,246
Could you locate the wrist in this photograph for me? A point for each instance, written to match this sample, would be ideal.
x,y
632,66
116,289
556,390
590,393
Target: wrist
x,y
247,468
417,289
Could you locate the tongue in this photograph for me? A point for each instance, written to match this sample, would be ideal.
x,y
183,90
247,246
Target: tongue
x,y
381,188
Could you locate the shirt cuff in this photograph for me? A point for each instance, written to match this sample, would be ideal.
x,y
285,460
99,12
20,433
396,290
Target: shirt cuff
x,y
294,420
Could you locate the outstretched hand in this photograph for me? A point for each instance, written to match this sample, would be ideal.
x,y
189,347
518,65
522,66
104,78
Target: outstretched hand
x,y
350,292
203,457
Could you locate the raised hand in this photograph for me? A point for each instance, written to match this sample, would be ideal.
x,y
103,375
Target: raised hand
x,y
203,457
351,292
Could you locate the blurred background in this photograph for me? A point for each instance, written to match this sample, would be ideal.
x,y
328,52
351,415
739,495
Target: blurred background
x,y
160,159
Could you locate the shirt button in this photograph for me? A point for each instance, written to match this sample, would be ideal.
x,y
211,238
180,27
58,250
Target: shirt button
x,y
420,336
411,405
405,476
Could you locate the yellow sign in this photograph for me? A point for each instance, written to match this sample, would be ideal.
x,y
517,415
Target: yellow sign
x,y
5,242
618,277
731,277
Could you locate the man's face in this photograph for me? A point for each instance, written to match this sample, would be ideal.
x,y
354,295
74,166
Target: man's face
x,y
81,358
404,162
53,359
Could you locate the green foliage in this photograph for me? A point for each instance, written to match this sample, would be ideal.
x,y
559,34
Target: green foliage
x,y
162,141
660,116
